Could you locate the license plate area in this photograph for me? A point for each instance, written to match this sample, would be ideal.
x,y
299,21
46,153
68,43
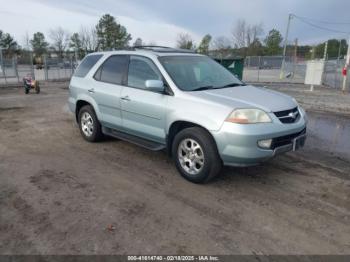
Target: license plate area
x,y
299,142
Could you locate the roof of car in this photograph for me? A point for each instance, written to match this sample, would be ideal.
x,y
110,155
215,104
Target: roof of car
x,y
156,50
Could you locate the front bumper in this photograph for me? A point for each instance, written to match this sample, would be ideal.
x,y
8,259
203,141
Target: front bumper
x,y
238,144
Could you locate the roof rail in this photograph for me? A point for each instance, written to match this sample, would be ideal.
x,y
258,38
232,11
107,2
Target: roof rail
x,y
163,49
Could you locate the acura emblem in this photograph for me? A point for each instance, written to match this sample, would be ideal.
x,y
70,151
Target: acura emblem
x,y
293,115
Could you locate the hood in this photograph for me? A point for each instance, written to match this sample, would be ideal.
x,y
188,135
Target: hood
x,y
248,97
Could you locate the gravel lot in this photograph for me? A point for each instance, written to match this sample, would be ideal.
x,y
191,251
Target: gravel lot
x,y
62,195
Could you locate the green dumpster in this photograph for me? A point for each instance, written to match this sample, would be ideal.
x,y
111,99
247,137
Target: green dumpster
x,y
234,65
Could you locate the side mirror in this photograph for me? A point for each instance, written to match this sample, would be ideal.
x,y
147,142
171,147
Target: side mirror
x,y
155,85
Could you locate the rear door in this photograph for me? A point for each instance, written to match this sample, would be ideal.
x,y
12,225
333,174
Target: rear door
x,y
143,110
108,86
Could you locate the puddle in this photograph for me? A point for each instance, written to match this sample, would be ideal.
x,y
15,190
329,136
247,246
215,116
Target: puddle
x,y
10,108
330,133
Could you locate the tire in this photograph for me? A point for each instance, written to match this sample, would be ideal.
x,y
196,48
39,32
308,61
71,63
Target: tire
x,y
89,126
188,162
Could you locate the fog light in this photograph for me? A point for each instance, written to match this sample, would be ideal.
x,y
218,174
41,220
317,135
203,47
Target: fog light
x,y
265,143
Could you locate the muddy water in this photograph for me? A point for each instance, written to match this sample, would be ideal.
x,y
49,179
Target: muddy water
x,y
330,133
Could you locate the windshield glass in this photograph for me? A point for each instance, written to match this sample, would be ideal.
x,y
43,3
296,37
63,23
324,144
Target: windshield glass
x,y
191,73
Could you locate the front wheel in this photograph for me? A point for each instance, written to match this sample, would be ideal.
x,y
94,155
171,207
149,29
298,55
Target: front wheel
x,y
196,156
90,127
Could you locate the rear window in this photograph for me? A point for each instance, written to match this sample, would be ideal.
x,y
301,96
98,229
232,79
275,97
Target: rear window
x,y
86,65
113,70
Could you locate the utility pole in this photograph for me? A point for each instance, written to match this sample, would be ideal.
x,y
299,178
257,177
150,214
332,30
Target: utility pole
x,y
313,51
290,16
2,65
346,66
324,75
325,51
295,55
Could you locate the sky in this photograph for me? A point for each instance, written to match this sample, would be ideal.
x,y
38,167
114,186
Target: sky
x,y
160,21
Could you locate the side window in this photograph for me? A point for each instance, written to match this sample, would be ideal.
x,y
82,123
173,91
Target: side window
x,y
113,70
140,70
86,65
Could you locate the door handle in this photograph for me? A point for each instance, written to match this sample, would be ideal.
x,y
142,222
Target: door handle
x,y
126,98
91,90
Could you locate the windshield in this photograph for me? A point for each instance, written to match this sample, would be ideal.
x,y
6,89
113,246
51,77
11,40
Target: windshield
x,y
192,73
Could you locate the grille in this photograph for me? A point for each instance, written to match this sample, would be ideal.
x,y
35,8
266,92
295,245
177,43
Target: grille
x,y
288,116
285,140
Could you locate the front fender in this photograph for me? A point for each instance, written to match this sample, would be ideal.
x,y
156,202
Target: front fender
x,y
208,122
209,115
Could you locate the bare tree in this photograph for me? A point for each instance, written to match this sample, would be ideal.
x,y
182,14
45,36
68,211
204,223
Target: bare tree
x,y
253,32
26,41
221,42
222,46
244,34
185,41
239,33
88,37
60,39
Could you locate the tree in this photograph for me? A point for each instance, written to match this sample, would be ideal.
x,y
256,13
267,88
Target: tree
x,y
222,46
273,42
246,37
110,34
185,41
221,42
60,39
38,43
76,45
138,42
239,33
253,32
7,42
255,48
333,48
88,37
203,47
26,41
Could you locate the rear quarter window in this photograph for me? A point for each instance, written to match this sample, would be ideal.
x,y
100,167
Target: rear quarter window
x,y
86,65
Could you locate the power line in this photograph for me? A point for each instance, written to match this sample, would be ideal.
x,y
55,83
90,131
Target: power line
x,y
320,27
322,21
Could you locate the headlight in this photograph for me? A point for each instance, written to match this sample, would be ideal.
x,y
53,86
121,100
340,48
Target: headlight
x,y
248,116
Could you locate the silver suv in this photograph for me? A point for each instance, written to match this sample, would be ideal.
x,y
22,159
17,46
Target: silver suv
x,y
186,103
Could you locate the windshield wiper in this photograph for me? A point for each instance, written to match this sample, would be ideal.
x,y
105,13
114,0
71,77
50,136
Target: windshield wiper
x,y
203,88
231,85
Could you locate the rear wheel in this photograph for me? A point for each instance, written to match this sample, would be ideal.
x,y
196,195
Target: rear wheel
x,y
196,156
90,127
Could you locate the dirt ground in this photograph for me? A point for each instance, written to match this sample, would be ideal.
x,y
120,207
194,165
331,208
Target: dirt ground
x,y
62,195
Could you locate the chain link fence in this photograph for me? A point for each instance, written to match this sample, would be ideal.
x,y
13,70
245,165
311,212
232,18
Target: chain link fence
x,y
332,74
268,69
265,69
13,67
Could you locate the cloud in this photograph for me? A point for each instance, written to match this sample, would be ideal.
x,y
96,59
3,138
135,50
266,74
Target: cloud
x,y
43,15
160,21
